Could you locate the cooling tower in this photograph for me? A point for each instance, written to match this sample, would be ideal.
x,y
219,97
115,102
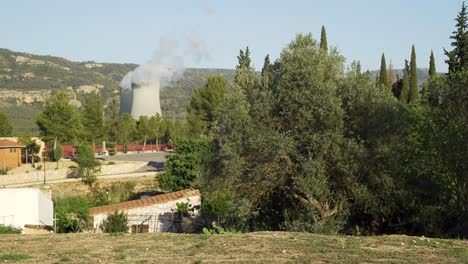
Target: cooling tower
x,y
145,99
125,100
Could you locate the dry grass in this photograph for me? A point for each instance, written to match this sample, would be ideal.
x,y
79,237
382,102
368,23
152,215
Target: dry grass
x,y
263,247
140,184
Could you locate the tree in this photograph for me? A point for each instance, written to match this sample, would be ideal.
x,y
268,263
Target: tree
x,y
113,119
143,129
92,117
383,81
204,104
31,148
59,120
88,166
457,58
127,129
6,127
432,68
157,128
413,95
182,169
323,40
267,73
392,76
243,61
405,90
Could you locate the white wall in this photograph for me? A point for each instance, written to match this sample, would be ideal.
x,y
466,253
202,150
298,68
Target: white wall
x,y
160,220
25,206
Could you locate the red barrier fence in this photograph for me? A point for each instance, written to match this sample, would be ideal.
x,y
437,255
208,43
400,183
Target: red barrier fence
x,y
68,149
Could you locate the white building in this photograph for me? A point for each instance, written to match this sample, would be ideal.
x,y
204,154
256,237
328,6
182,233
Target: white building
x,y
25,206
153,214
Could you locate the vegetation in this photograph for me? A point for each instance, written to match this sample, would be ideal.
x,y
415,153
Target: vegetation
x,y
92,117
260,247
312,147
203,105
181,170
6,127
73,213
115,223
59,120
4,229
88,166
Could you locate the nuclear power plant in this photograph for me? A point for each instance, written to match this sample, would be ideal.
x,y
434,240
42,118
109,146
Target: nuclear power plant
x,y
141,100
145,99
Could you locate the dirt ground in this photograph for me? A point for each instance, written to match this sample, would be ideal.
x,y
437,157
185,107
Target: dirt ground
x,y
25,168
263,247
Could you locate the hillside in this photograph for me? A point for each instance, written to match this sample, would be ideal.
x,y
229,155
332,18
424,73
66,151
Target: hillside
x,y
263,247
27,80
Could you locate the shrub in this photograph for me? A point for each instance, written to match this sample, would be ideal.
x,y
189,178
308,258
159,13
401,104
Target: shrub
x,y
3,171
115,223
9,230
72,213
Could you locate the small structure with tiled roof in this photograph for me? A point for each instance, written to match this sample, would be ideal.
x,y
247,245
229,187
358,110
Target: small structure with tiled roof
x,y
10,154
151,214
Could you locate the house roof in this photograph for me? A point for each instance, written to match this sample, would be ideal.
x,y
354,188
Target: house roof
x,y
157,199
4,143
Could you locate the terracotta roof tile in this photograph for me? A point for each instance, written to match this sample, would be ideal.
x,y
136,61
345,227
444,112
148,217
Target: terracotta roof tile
x,y
157,199
9,143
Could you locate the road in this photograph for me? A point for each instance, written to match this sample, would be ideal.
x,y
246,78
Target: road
x,y
155,160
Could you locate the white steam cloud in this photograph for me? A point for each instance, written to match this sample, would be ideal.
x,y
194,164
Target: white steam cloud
x,y
165,66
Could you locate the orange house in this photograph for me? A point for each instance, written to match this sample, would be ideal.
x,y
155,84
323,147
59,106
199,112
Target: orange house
x,y
10,154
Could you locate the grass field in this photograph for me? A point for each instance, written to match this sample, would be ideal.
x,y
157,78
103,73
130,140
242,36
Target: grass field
x,y
263,247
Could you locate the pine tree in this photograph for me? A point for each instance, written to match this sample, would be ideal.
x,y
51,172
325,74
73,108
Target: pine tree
x,y
405,86
413,92
458,57
432,68
383,72
323,40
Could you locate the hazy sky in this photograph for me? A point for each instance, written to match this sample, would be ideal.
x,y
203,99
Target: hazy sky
x,y
130,31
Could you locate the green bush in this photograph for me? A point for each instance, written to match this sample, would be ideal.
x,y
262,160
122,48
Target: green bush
x,y
73,213
9,230
115,223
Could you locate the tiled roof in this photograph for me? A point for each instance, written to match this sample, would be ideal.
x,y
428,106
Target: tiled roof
x,y
8,143
157,199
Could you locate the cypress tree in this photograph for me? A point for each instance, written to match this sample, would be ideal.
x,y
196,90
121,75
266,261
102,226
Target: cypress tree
x,y
358,68
413,93
383,72
405,86
457,59
432,68
323,40
267,72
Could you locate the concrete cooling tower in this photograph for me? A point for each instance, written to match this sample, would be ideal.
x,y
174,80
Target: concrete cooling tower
x,y
145,99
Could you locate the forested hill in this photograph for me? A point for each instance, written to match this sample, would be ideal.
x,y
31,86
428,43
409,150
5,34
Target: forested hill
x,y
27,80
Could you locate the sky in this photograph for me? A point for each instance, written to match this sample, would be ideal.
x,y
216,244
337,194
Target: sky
x,y
210,33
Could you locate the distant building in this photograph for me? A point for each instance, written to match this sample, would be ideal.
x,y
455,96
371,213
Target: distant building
x,y
10,154
153,214
38,142
25,206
